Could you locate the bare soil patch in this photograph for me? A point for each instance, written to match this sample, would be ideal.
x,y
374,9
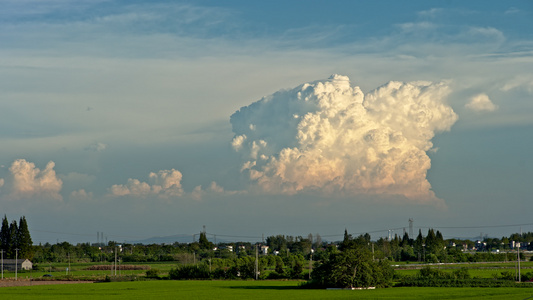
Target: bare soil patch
x,y
7,283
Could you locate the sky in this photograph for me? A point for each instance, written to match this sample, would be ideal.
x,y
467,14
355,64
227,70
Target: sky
x,y
155,118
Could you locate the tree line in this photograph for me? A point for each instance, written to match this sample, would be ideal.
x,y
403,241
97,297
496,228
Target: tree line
x,y
15,239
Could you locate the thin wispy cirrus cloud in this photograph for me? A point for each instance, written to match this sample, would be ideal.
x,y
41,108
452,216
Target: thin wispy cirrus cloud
x,y
231,103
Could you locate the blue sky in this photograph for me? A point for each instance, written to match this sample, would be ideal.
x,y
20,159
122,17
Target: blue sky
x,y
116,117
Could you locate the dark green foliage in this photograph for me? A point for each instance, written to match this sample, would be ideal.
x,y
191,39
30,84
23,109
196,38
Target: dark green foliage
x,y
296,270
279,265
13,237
190,272
24,240
351,267
429,277
13,242
204,243
473,282
152,273
5,235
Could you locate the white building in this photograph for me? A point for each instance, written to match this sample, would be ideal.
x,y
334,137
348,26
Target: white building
x,y
21,264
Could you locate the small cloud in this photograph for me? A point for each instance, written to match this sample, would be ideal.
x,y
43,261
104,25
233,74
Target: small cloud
x,y
512,11
96,147
213,189
519,82
81,195
164,184
485,33
481,103
416,27
431,13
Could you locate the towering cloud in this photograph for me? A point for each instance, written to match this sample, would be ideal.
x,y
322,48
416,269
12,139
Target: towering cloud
x,y
327,136
27,180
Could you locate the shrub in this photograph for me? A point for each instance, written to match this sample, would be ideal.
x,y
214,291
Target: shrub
x,y
190,272
153,273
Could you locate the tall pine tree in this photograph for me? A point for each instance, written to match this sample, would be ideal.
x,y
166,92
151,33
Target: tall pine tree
x,y
13,236
4,235
13,240
24,239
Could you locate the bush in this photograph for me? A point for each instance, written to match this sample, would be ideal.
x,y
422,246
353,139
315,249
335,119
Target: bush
x,y
190,272
429,277
153,273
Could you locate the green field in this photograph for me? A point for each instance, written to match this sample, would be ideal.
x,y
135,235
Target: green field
x,y
167,289
479,270
59,270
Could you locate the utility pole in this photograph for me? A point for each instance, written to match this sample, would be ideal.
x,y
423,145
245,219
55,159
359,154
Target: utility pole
x,y
115,261
16,261
411,228
311,264
2,251
518,258
256,261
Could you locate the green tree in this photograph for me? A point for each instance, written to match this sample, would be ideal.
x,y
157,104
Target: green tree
x,y
204,243
353,266
279,265
24,239
419,245
4,235
347,242
13,242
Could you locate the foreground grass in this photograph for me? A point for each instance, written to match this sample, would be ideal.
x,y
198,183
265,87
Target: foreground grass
x,y
246,289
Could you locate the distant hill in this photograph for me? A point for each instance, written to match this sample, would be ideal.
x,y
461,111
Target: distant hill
x,y
171,239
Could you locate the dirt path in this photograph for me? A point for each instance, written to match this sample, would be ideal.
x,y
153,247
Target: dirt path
x,y
6,283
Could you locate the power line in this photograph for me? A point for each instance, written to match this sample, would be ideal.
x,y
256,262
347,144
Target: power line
x,y
482,226
260,237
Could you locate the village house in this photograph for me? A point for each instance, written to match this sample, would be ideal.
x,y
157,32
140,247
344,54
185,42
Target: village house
x,y
21,264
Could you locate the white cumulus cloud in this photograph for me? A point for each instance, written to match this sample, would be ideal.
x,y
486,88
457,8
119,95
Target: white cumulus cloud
x,y
327,136
27,181
164,184
213,189
481,103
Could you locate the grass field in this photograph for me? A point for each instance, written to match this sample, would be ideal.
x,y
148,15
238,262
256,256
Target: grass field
x,y
168,289
480,270
59,270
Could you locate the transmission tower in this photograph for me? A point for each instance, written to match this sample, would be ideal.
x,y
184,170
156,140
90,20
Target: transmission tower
x,y
411,228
